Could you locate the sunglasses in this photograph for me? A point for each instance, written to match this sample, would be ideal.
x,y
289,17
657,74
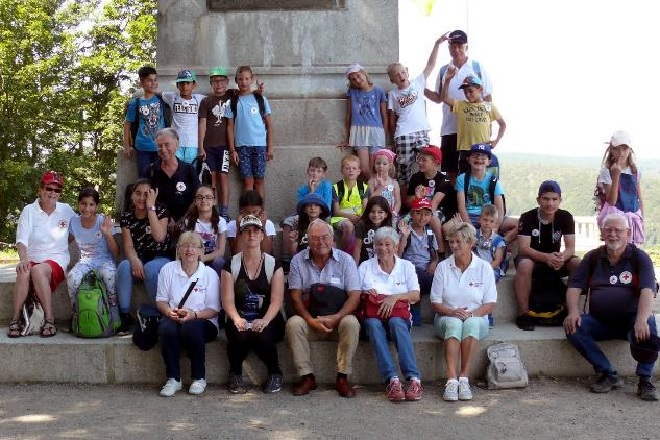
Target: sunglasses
x,y
51,189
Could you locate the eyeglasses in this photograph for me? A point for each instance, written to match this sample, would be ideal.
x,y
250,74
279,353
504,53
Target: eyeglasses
x,y
617,231
200,198
315,239
51,189
189,246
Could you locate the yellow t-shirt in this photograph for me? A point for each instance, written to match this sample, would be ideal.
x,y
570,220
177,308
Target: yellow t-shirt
x,y
474,122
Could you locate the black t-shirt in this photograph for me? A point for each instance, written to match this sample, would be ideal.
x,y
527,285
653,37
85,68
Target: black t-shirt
x,y
259,285
143,242
546,238
176,192
438,183
365,239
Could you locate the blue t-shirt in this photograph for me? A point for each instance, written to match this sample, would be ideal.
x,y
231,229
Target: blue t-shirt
x,y
151,118
365,106
91,242
477,192
249,126
324,189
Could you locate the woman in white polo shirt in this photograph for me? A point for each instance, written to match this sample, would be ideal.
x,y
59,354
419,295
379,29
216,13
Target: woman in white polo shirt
x,y
463,294
188,324
390,285
43,249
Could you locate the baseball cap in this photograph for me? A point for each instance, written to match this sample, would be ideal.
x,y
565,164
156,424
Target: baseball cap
x,y
315,199
353,68
620,137
457,36
434,151
218,71
250,220
481,148
52,178
186,75
419,204
471,81
549,186
645,351
385,152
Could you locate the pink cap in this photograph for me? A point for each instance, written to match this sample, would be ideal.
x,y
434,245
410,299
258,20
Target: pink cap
x,y
385,152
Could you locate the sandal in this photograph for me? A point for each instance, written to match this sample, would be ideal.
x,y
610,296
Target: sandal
x,y
48,329
15,329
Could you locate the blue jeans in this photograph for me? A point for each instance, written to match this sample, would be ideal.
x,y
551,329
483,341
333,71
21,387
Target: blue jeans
x,y
399,330
124,284
144,159
191,336
592,330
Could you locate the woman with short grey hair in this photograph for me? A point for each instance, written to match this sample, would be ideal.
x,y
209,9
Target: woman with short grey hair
x,y
389,286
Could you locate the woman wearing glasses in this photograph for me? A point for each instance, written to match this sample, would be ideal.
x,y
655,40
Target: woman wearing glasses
x,y
188,298
462,295
203,217
43,249
252,295
146,246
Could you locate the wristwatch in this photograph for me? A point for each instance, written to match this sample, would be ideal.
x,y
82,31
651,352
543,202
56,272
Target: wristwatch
x,y
152,208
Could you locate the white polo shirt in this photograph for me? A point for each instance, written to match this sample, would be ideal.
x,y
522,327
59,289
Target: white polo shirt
x,y
45,236
472,288
173,283
402,279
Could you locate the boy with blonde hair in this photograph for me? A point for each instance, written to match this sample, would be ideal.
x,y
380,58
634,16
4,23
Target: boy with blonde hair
x,y
349,197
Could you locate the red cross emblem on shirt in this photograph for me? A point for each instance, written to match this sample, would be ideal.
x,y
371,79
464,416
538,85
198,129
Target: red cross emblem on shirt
x,y
625,277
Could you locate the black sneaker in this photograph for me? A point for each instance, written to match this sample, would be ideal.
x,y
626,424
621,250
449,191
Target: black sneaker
x,y
525,322
125,326
605,383
273,383
646,390
235,384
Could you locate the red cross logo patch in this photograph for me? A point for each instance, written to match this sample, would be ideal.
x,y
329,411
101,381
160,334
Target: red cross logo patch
x,y
625,277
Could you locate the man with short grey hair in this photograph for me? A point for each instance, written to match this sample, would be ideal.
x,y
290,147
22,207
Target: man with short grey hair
x,y
325,291
621,283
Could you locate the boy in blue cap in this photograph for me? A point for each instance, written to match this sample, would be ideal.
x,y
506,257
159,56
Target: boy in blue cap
x,y
474,116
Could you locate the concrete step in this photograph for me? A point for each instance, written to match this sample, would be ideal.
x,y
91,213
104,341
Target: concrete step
x,y
65,358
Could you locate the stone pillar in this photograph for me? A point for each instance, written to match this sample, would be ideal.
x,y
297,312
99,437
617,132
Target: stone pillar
x,y
299,49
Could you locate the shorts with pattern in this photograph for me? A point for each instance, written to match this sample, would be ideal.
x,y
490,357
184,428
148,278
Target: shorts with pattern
x,y
217,158
407,147
252,162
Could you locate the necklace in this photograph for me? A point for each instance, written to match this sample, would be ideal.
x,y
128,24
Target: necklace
x,y
255,274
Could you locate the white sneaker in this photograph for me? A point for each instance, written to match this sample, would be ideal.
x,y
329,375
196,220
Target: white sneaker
x,y
197,387
170,388
451,391
464,391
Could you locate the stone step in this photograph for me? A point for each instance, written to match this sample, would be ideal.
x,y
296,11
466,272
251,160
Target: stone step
x,y
65,358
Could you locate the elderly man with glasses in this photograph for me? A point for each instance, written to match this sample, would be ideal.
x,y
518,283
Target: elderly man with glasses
x,y
325,291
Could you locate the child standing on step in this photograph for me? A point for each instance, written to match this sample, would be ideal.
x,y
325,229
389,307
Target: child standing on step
x,y
408,124
250,132
366,117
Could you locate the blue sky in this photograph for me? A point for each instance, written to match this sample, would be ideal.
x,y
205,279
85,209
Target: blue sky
x,y
566,74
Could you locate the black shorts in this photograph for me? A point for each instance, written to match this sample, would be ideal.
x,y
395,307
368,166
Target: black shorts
x,y
448,145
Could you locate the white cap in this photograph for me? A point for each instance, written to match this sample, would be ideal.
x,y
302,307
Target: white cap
x,y
620,137
353,68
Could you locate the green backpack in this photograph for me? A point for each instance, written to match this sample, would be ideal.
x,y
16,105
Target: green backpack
x,y
93,317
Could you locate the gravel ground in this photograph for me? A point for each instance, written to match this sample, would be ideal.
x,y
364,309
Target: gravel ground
x,y
548,408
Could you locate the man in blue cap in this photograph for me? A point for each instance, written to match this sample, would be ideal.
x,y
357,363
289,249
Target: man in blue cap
x,y
540,233
621,283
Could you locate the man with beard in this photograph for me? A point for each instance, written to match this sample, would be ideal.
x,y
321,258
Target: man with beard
x,y
621,283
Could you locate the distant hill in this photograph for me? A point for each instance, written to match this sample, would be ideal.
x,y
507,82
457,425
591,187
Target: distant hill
x,y
521,175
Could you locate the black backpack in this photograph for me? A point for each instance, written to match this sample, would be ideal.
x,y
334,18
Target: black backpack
x,y
491,190
135,125
233,103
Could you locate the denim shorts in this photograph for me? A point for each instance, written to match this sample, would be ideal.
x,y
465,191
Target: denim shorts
x,y
252,162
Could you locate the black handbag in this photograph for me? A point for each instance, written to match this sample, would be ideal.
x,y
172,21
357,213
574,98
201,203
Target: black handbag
x,y
145,335
325,299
